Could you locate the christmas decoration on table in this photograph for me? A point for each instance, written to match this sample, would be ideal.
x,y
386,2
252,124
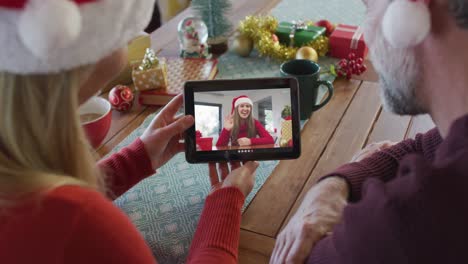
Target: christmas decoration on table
x,y
352,65
307,53
193,34
151,73
121,98
262,31
179,71
327,25
204,143
214,14
298,33
136,50
242,45
286,127
346,39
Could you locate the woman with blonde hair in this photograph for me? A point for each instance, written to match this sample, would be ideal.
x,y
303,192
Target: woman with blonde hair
x,y
54,200
240,128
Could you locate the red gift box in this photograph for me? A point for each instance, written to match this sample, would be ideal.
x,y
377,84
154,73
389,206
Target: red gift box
x,y
205,143
347,39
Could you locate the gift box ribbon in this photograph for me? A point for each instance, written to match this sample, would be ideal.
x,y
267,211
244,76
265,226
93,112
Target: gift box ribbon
x,y
295,26
356,37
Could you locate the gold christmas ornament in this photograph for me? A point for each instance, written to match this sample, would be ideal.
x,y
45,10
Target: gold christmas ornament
x,y
307,53
260,30
242,45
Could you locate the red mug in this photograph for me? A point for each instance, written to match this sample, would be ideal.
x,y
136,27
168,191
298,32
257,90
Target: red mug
x,y
96,117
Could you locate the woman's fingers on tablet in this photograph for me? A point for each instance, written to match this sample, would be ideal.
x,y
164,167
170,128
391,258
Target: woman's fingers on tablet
x,y
224,170
214,178
235,165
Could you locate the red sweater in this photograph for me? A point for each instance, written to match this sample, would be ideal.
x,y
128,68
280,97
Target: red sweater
x,y
71,224
263,138
412,207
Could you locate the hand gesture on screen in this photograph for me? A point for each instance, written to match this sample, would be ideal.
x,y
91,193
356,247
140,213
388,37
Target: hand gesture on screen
x,y
244,142
228,122
242,177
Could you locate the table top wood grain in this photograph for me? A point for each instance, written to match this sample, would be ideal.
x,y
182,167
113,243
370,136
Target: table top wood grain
x,y
350,121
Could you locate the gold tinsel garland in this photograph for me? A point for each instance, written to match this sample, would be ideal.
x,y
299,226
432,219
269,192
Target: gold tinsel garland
x,y
261,29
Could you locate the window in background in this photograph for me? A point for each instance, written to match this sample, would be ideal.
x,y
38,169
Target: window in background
x,y
208,119
265,113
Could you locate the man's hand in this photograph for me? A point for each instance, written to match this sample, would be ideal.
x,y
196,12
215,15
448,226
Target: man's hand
x,y
319,212
161,138
244,142
370,149
240,177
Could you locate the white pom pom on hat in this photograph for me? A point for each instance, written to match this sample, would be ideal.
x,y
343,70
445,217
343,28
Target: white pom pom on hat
x,y
50,36
406,23
47,26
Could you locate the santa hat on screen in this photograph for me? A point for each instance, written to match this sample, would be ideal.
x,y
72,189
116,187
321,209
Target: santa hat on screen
x,y
406,23
243,99
45,36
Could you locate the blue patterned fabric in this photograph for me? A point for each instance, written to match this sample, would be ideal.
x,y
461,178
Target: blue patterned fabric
x,y
166,207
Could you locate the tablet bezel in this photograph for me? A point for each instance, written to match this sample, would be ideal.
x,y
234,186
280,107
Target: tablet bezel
x,y
194,156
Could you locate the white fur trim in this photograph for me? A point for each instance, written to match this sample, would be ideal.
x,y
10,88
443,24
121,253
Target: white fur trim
x,y
406,23
243,100
107,25
48,26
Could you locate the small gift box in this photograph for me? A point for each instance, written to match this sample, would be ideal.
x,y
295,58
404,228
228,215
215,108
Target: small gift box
x,y
151,74
205,143
286,132
136,52
298,32
347,39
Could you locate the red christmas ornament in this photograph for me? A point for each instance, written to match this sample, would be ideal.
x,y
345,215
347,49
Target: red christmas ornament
x,y
121,98
274,38
327,25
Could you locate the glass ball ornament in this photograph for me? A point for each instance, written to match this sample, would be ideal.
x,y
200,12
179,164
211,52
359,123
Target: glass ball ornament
x,y
192,29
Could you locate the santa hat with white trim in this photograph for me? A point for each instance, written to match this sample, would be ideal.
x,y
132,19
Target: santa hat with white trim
x,y
406,23
46,36
243,99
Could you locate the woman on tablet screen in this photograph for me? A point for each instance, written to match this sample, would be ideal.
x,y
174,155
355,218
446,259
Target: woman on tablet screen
x,y
240,128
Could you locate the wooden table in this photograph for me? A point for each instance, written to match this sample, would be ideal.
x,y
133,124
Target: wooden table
x,y
351,120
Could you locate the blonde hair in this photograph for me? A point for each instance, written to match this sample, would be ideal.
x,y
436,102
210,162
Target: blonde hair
x,y
250,122
42,144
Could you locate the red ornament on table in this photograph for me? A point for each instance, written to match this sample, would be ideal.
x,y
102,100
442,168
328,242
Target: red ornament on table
x,y
275,38
327,25
121,98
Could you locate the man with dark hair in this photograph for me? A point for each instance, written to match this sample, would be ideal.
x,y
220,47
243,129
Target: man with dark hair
x,y
407,201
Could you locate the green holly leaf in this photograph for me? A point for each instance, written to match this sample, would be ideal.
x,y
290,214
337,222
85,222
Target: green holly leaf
x,y
333,70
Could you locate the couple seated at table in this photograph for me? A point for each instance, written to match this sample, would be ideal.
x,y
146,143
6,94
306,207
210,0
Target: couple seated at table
x,y
241,128
53,196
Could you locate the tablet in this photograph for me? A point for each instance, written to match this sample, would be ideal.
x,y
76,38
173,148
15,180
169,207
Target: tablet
x,y
242,120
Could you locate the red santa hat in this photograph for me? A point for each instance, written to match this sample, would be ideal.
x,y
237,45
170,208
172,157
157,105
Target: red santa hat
x,y
46,36
406,23
243,99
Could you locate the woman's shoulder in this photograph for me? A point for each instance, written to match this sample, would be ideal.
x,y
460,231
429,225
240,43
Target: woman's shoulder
x,y
74,195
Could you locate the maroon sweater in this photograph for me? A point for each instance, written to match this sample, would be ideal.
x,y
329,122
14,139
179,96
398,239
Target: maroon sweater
x,y
412,208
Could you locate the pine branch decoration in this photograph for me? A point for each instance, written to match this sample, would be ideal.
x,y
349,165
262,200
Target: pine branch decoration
x,y
213,13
